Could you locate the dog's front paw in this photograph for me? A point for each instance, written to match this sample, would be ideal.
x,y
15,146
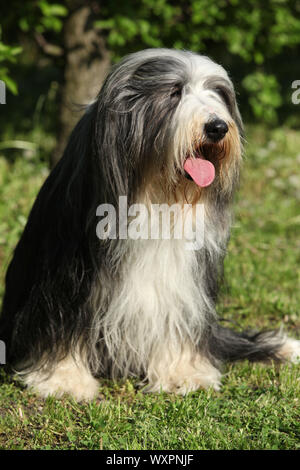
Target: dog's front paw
x,y
68,377
187,376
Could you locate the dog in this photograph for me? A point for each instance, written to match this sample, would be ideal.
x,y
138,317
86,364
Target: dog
x,y
164,129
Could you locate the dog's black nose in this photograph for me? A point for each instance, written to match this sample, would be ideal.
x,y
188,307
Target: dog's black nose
x,y
216,129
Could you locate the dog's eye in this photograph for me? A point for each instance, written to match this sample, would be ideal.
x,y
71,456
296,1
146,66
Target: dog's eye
x,y
176,92
224,95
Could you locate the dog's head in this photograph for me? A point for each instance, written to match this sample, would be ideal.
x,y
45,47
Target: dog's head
x,y
168,119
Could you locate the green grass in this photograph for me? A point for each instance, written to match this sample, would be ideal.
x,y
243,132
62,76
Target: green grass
x,y
258,406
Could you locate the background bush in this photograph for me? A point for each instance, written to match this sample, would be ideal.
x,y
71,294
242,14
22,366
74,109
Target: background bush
x,y
258,41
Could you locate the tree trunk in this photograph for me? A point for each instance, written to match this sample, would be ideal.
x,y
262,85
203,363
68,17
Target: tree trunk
x,y
86,64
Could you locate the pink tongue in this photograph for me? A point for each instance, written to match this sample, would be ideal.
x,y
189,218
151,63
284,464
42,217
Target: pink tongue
x,y
202,171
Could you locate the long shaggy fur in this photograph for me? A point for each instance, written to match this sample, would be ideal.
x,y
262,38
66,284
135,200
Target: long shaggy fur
x,y
76,307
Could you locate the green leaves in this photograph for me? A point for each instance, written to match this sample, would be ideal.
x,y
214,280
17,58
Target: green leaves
x,y
265,96
33,17
51,16
251,40
42,16
8,54
244,36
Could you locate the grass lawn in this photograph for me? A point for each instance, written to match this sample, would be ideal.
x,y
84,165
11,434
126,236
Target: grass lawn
x,y
258,407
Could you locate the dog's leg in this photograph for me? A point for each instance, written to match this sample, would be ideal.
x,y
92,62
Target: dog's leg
x,y
186,370
69,376
181,371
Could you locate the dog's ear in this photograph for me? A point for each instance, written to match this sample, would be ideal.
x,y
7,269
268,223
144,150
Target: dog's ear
x,y
111,134
120,140
238,118
68,192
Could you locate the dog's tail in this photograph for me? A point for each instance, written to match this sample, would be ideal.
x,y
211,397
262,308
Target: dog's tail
x,y
227,345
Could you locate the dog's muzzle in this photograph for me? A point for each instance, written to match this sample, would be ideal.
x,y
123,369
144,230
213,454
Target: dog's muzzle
x,y
198,168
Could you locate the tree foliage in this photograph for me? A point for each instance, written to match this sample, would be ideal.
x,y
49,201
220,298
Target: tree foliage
x,y
30,18
257,40
8,54
252,38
